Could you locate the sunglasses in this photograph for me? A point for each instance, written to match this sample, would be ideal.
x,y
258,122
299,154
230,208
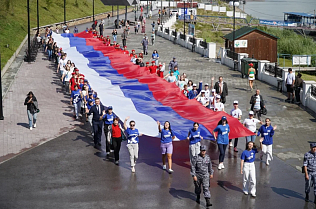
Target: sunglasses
x,y
132,125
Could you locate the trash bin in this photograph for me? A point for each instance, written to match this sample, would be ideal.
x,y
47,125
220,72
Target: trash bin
x,y
245,66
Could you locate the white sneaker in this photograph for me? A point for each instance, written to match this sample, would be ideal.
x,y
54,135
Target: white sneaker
x,y
223,166
253,195
164,167
230,144
246,193
133,169
77,118
107,153
34,125
267,163
219,167
31,128
170,171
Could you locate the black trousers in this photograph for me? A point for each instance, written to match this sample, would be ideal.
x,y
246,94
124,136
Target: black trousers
x,y
97,128
116,142
107,133
124,42
222,150
235,142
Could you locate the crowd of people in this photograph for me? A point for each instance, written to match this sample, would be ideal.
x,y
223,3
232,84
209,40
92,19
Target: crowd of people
x,y
103,120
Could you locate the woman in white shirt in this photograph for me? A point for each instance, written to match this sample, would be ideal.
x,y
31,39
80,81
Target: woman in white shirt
x,y
251,124
181,82
202,98
171,78
218,106
190,85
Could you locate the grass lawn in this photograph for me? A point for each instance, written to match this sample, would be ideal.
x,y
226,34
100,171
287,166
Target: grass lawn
x,y
13,15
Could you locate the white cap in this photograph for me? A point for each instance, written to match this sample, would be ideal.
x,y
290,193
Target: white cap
x,y
213,90
206,84
251,113
235,102
194,84
218,96
203,91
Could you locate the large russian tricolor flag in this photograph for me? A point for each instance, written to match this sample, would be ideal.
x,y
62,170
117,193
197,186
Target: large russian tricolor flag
x,y
134,92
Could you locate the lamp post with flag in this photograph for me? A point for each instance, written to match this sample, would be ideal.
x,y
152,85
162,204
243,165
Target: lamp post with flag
x,y
235,4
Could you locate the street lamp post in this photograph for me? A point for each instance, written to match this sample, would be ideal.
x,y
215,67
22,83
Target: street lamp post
x,y
1,108
65,12
93,9
37,16
234,4
184,17
28,33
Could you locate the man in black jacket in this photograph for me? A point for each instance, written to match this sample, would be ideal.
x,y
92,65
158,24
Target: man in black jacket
x,y
257,104
221,89
97,122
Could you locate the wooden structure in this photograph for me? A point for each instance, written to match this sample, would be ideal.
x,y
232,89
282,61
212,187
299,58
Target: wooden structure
x,y
255,42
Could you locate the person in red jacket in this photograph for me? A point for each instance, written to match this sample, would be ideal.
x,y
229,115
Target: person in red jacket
x,y
141,55
153,67
72,82
133,53
147,66
125,51
160,70
108,41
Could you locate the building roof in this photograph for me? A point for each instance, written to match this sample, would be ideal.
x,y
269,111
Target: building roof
x,y
299,14
243,31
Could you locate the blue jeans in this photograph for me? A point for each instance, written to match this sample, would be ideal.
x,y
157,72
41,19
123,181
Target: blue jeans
x,y
50,53
77,108
222,150
251,138
32,118
114,37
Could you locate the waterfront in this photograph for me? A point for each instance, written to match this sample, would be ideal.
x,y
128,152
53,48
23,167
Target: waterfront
x,y
273,9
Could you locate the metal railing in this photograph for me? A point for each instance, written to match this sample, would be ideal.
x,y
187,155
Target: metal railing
x,y
273,70
167,30
174,33
203,44
182,36
232,55
192,40
313,91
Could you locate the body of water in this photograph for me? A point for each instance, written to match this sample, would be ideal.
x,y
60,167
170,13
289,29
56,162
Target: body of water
x,y
273,9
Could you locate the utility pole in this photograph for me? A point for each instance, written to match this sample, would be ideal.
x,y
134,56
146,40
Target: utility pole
x,y
93,9
234,35
184,17
28,33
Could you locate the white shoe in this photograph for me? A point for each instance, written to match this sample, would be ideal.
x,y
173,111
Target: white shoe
x,y
267,163
246,193
77,118
219,167
223,165
164,167
170,171
116,162
230,144
31,128
34,125
133,169
107,153
253,195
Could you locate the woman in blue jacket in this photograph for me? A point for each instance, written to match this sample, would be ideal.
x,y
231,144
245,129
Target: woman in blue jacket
x,y
222,139
194,137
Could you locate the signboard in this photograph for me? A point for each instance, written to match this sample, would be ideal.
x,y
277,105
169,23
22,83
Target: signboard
x,y
187,11
241,43
276,23
301,60
191,29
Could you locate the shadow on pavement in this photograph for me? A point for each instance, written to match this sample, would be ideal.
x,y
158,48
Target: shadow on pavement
x,y
25,125
287,193
228,185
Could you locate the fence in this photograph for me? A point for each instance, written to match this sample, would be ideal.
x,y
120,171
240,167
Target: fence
x,y
273,70
203,44
182,36
313,91
232,55
174,33
167,30
192,40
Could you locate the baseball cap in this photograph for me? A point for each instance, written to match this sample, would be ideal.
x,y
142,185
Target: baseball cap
x,y
203,91
224,118
313,144
153,61
235,102
251,113
218,96
206,84
202,147
76,69
110,108
213,90
90,93
174,58
90,100
194,84
147,62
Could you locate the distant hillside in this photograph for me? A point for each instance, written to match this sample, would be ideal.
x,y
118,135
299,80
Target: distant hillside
x,y
13,18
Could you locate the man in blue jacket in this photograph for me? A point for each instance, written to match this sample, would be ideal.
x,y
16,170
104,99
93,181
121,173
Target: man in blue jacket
x,y
194,92
108,121
267,131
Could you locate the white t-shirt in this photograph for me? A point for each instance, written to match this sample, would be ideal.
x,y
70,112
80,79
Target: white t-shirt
x,y
218,106
181,84
67,75
290,78
212,99
207,93
202,100
171,79
257,104
236,113
251,124
67,31
62,63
